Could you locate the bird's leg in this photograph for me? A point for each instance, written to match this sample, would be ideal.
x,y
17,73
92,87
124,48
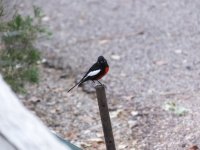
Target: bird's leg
x,y
94,83
99,82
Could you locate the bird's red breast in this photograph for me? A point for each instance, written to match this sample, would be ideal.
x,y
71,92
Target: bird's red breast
x,y
106,70
103,73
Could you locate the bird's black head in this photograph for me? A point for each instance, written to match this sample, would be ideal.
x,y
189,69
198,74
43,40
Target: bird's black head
x,y
101,60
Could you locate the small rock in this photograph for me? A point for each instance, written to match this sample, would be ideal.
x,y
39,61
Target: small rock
x,y
103,41
115,114
122,146
87,131
160,62
134,113
184,61
97,140
178,51
115,57
99,135
129,97
123,75
132,123
83,144
34,100
45,18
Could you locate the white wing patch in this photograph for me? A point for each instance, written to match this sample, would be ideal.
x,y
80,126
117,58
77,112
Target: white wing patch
x,y
93,73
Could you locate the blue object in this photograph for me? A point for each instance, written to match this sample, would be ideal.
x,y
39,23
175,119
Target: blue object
x,y
65,142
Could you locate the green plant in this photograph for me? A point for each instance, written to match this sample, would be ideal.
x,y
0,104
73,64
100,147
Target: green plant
x,y
19,57
1,8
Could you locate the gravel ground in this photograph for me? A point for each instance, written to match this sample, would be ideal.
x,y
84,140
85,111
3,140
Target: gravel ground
x,y
153,51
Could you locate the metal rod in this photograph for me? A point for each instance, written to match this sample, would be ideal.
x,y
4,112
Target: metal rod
x,y
105,117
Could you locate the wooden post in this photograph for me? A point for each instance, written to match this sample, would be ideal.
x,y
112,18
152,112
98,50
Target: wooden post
x,y
105,117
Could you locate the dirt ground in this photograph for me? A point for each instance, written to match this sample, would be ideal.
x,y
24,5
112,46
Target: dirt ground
x,y
153,85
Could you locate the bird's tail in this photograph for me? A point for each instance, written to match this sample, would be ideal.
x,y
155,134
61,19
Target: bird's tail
x,y
75,85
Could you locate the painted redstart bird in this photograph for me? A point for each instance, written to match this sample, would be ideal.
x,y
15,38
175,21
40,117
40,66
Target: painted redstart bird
x,y
96,72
